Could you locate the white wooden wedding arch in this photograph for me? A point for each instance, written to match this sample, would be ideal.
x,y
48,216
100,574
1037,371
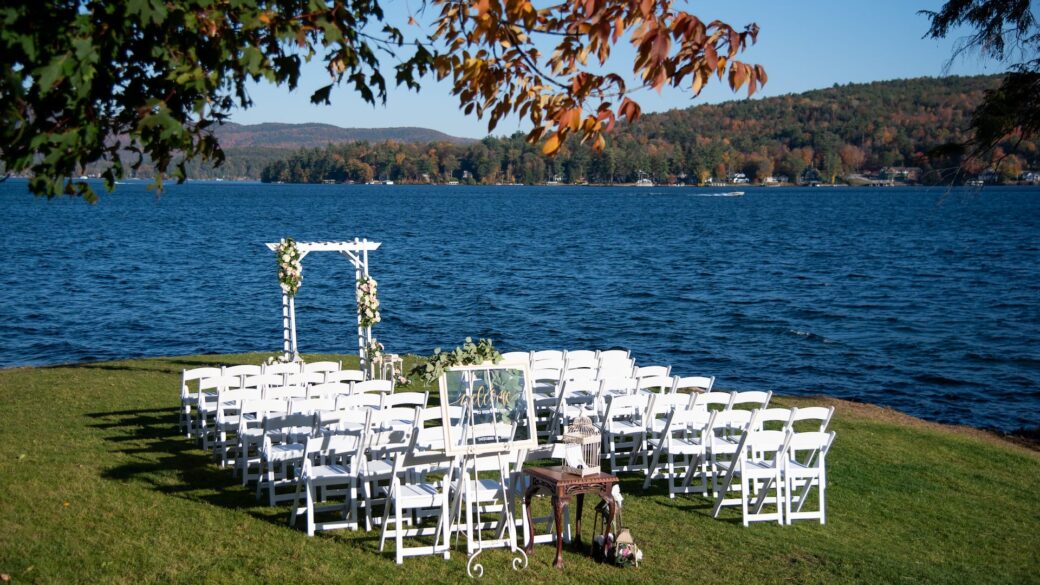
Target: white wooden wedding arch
x,y
357,252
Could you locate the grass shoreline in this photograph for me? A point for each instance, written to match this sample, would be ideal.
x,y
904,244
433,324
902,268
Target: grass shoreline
x,y
98,486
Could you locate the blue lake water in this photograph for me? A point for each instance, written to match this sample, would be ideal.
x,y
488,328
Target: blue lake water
x,y
926,300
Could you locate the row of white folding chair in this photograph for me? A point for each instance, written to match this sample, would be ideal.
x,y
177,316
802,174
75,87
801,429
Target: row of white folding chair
x,y
784,462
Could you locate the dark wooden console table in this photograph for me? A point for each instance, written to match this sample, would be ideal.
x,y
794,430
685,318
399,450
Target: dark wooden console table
x,y
562,486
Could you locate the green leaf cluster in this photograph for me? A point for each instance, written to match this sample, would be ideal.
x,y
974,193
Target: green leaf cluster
x,y
88,81
429,369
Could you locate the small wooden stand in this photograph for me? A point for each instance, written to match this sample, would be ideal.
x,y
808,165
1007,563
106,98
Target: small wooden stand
x,y
562,486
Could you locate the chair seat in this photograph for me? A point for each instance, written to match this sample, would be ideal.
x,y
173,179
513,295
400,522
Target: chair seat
x,y
285,452
753,468
796,469
326,473
624,427
412,495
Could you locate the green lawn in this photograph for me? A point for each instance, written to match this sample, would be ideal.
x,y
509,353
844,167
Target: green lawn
x,y
97,486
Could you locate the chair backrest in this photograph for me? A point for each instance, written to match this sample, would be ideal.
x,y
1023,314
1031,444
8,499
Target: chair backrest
x,y
263,408
305,379
311,405
430,416
754,398
384,386
386,433
195,375
545,380
713,400
658,384
285,392
767,447
581,358
661,404
321,367
578,374
810,448
263,381
328,390
411,399
616,369
647,371
293,425
775,419
516,356
729,423
243,370
822,414
682,423
282,368
341,419
699,384
618,385
370,400
632,407
609,355
345,376
546,354
220,383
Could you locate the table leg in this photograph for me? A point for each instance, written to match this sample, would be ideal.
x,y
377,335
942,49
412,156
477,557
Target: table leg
x,y
558,504
577,521
528,495
611,509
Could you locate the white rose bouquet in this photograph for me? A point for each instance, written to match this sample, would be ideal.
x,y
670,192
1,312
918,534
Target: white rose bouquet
x,y
290,271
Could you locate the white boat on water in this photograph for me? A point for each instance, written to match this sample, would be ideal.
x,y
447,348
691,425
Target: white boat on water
x,y
644,182
733,194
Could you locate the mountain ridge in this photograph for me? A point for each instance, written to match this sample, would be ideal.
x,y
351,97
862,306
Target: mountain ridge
x,y
317,134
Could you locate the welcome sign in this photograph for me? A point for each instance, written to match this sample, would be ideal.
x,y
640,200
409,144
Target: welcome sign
x,y
487,408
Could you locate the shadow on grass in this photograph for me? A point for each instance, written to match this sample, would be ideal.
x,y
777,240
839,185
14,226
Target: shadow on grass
x,y
173,464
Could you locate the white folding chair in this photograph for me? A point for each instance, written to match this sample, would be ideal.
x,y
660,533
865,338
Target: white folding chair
x,y
242,371
206,404
190,396
576,398
250,433
282,452
624,432
726,440
333,475
412,491
805,467
282,368
684,445
581,359
758,464
227,419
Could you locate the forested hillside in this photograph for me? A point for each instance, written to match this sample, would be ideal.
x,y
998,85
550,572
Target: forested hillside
x,y
840,131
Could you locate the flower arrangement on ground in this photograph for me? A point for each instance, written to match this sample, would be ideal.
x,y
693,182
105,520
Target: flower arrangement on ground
x,y
290,271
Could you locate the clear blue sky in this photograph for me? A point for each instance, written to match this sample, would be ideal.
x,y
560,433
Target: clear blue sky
x,y
804,44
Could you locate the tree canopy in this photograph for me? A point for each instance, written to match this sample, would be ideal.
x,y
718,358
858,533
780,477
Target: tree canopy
x,y
1008,31
84,81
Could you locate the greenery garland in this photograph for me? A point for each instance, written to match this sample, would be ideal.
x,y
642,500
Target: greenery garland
x,y
290,271
430,369
368,301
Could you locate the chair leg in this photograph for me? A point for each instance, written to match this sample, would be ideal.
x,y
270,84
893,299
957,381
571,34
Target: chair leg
x,y
310,507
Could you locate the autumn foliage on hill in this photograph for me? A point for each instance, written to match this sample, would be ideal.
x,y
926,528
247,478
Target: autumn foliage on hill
x,y
839,131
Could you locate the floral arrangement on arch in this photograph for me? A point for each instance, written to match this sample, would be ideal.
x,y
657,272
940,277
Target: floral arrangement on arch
x,y
368,301
290,271
374,350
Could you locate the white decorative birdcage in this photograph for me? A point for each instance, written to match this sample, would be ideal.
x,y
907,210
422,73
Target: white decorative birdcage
x,y
582,443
